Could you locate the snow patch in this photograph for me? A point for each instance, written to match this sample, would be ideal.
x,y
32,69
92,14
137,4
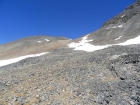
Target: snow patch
x,y
131,41
118,38
47,40
120,26
90,48
14,60
107,28
115,27
122,16
82,42
85,46
39,41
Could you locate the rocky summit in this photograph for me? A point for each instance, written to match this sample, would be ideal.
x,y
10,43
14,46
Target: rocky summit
x,y
100,68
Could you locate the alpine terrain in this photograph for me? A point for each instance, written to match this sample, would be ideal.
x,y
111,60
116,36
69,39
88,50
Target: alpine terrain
x,y
100,68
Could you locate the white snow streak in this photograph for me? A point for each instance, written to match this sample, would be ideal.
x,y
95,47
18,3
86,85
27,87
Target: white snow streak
x,y
47,40
39,41
120,26
115,27
90,48
81,43
122,16
14,60
85,46
131,41
108,28
118,38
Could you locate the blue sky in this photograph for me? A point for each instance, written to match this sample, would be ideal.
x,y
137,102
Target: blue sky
x,y
68,18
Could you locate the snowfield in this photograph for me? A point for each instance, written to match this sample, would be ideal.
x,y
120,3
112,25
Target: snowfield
x,y
81,45
85,46
14,60
131,41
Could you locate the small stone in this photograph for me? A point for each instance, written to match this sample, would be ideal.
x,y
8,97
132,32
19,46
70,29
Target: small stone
x,y
132,103
100,98
8,83
42,98
37,96
138,98
133,97
39,90
14,99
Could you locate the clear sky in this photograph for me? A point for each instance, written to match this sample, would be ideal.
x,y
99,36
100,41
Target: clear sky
x,y
68,18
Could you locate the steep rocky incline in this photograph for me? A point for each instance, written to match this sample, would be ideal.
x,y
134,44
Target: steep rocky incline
x,y
126,15
120,28
66,77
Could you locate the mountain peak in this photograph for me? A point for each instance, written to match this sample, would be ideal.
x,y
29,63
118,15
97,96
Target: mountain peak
x,y
138,1
126,15
134,5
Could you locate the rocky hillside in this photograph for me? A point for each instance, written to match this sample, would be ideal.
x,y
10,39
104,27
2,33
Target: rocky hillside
x,y
31,45
120,28
66,77
56,71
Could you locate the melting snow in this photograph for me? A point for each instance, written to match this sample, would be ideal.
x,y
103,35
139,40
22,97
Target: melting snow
x,y
14,60
115,26
84,45
47,40
131,41
90,48
120,26
39,41
122,16
82,42
118,38
108,28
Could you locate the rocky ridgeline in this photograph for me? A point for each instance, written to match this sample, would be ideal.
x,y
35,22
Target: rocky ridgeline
x,y
126,15
65,77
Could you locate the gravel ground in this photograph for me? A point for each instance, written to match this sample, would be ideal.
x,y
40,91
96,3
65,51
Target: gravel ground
x,y
66,77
